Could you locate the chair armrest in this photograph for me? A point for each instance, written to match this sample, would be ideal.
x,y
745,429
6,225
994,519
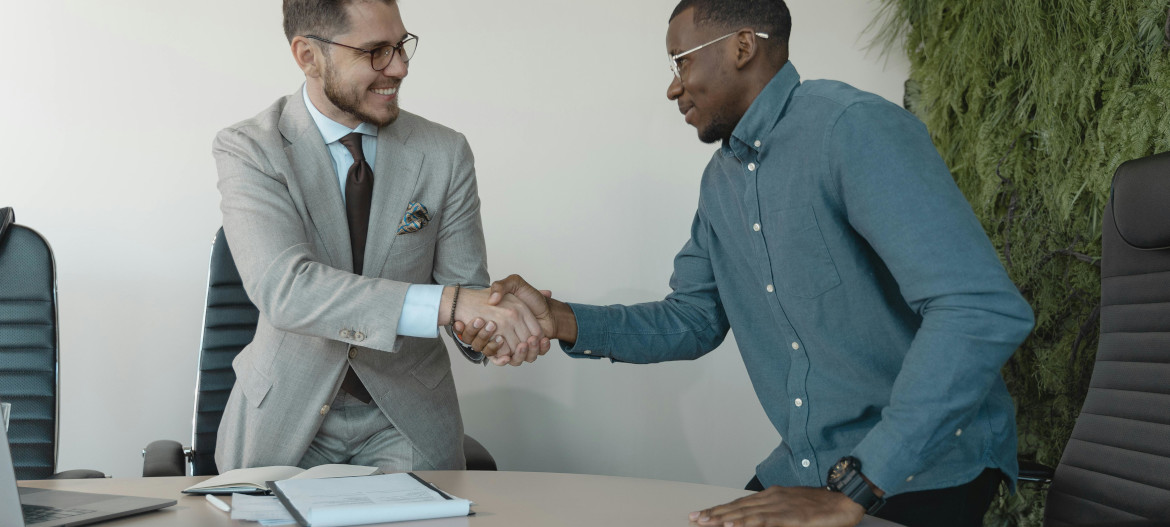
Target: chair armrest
x,y
163,458
1035,473
81,473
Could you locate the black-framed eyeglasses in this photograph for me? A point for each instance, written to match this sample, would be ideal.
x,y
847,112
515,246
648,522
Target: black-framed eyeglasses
x,y
381,56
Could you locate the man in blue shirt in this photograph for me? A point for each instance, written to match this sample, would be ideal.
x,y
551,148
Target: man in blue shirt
x,y
869,306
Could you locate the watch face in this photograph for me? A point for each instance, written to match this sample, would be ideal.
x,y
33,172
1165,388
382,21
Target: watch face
x,y
840,470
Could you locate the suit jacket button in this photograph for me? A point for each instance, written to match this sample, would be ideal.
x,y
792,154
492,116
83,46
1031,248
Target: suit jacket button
x,y
345,333
352,352
324,409
359,336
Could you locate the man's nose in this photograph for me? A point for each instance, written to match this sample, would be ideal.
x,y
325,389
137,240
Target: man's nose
x,y
675,90
397,67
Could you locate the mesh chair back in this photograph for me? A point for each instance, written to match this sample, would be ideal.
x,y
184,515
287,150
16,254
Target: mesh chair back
x,y
1116,466
28,349
229,323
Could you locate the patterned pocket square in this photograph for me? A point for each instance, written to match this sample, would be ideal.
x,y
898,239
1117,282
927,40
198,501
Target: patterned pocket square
x,y
416,218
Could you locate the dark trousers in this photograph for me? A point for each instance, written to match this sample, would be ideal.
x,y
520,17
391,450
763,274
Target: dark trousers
x,y
961,506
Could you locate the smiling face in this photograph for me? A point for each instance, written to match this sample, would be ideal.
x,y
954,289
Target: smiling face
x,y
706,94
347,89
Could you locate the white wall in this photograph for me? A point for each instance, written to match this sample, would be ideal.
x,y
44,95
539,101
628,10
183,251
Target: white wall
x,y
589,179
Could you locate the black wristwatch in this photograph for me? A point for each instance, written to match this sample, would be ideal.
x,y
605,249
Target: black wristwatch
x,y
845,477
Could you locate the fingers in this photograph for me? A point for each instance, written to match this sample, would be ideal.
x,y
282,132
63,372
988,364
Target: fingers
x,y
509,285
494,348
467,333
727,512
782,507
480,340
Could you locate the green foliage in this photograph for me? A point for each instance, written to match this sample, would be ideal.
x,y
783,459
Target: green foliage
x,y
1034,104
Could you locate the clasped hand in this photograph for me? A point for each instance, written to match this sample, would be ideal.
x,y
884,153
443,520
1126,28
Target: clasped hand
x,y
501,342
509,323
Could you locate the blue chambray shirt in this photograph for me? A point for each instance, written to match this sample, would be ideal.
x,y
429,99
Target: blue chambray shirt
x,y
871,310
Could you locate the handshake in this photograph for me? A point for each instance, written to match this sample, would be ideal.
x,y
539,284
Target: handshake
x,y
512,322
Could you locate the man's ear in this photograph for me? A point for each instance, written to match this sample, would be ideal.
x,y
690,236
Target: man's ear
x,y
309,57
747,46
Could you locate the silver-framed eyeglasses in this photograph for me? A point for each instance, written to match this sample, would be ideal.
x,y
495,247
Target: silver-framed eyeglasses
x,y
676,67
381,56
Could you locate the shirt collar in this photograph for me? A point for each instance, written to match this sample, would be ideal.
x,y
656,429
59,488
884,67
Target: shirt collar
x,y
763,114
332,130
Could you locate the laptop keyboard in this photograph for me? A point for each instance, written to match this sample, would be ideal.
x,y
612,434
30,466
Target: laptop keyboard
x,y
34,514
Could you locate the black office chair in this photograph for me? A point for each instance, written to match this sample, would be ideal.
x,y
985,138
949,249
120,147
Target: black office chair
x,y
229,324
1115,469
28,350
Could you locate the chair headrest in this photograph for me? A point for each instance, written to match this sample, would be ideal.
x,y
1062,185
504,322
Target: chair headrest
x,y
7,218
1141,202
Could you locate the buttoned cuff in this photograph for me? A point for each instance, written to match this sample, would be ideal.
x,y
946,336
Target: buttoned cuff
x,y
420,311
591,343
885,463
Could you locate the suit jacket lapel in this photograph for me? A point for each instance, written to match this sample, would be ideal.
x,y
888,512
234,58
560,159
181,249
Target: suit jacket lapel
x,y
396,174
313,169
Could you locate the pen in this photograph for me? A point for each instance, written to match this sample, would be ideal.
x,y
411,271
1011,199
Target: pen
x,y
218,503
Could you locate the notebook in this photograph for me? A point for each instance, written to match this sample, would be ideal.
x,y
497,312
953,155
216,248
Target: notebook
x,y
26,507
252,480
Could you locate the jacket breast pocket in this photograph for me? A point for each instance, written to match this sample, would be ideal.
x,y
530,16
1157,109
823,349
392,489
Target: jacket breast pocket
x,y
424,237
801,263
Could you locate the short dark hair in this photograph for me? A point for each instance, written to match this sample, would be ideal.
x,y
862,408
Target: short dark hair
x,y
768,16
324,18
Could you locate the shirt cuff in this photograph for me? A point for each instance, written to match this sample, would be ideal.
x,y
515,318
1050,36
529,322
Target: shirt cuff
x,y
588,345
890,469
420,311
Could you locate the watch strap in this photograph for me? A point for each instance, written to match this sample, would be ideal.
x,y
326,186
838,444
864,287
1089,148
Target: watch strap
x,y
858,490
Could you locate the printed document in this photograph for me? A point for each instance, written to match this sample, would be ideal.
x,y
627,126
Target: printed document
x,y
363,500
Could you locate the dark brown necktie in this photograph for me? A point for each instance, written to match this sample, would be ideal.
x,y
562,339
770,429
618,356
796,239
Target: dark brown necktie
x,y
359,193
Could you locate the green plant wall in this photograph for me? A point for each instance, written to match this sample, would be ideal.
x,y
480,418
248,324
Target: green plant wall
x,y
1034,104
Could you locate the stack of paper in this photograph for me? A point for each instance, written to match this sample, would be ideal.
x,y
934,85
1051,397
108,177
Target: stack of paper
x,y
363,500
264,509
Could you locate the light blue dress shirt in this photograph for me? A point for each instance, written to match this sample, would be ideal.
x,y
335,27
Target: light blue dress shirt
x,y
420,310
871,310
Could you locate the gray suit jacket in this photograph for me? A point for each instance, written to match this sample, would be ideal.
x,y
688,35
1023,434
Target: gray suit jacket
x,y
285,220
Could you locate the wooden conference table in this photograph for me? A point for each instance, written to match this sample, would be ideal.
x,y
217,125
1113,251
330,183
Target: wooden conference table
x,y
503,499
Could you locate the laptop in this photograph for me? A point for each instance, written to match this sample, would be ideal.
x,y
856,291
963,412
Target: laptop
x,y
28,507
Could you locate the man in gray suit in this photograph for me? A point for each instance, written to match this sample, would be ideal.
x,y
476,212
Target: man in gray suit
x,y
346,366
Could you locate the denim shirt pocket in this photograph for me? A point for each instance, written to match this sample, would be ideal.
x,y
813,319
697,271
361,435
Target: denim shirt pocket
x,y
801,264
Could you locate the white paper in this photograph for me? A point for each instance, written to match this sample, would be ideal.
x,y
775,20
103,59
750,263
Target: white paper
x,y
370,499
378,513
265,509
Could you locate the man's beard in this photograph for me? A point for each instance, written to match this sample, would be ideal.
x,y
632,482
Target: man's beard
x,y
719,129
350,102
